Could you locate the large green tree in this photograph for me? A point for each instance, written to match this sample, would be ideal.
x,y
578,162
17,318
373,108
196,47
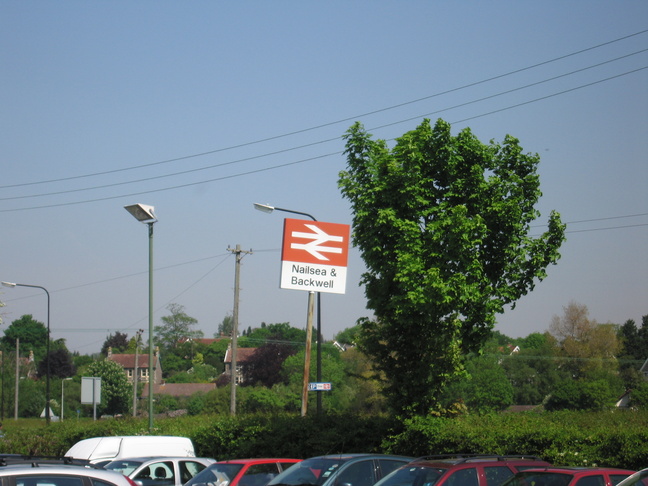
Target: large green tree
x,y
443,224
176,327
32,335
116,392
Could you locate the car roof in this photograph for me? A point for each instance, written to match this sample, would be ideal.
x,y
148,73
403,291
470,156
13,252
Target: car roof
x,y
257,461
160,458
576,470
456,459
74,470
359,455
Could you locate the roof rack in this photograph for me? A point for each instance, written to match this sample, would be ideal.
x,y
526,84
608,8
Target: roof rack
x,y
463,457
36,461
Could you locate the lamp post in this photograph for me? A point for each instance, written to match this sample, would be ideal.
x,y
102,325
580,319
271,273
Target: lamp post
x,y
145,214
63,395
269,209
47,347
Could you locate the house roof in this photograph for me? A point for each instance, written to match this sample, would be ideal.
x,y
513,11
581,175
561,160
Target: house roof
x,y
179,389
242,354
128,360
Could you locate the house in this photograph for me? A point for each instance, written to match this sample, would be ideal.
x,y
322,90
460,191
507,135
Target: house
x,y
242,356
128,363
644,370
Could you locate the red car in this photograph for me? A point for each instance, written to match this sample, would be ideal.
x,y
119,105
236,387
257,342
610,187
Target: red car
x,y
241,472
461,470
569,476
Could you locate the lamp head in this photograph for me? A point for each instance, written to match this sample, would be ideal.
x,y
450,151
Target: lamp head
x,y
266,208
8,284
142,212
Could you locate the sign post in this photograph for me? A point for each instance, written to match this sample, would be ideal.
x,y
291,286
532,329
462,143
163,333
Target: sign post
x,y
314,257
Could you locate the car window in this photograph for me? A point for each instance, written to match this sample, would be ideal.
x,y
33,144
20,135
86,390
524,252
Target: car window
x,y
259,474
596,480
496,475
314,471
157,474
462,477
99,482
188,469
389,465
125,467
54,480
617,478
359,473
413,476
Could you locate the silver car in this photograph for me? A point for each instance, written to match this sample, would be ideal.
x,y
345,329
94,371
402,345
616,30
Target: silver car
x,y
160,471
37,473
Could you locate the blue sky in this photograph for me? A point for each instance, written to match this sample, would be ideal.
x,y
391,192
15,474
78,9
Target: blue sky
x,y
202,108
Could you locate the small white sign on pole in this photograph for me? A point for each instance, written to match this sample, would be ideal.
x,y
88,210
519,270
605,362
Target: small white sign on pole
x,y
91,392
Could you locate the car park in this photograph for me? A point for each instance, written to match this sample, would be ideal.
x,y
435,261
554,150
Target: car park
x,y
460,470
640,478
16,470
340,469
160,471
569,476
242,472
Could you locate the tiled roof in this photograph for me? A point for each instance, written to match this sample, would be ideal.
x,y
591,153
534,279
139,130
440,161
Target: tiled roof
x,y
242,355
128,360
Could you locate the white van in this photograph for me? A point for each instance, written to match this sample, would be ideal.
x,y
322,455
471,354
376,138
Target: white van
x,y
103,449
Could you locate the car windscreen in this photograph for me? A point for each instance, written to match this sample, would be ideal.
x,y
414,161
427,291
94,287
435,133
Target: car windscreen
x,y
126,467
413,476
219,474
311,472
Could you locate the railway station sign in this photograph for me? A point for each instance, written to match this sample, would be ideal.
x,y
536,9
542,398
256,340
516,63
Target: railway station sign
x,y
314,256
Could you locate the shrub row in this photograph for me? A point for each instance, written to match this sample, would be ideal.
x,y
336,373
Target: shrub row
x,y
615,439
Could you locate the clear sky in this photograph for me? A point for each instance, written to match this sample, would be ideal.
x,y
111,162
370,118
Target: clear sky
x,y
202,108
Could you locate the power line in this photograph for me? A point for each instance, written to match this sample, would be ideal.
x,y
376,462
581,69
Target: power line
x,y
265,169
246,159
343,120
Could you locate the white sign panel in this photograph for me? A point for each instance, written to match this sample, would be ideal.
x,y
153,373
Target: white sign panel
x,y
314,256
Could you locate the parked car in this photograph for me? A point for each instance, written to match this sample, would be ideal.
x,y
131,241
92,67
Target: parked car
x,y
640,478
340,469
160,471
101,450
18,470
241,472
569,476
460,470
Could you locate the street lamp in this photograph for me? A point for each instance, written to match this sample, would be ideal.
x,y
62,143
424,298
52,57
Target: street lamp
x,y
63,395
47,346
145,214
265,208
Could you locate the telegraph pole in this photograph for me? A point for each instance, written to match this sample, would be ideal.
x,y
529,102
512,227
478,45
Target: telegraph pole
x,y
237,276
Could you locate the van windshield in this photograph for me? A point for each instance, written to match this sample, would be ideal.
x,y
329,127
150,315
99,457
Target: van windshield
x,y
311,472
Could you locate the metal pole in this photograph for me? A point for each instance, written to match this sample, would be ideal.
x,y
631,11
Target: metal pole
x,y
150,326
17,378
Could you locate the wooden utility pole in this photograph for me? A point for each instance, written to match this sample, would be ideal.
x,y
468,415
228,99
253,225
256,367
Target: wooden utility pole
x,y
237,277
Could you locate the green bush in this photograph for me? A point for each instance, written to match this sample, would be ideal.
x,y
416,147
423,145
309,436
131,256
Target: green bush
x,y
567,438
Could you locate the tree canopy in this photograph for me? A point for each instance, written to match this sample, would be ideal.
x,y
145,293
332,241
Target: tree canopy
x,y
443,225
176,327
32,335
